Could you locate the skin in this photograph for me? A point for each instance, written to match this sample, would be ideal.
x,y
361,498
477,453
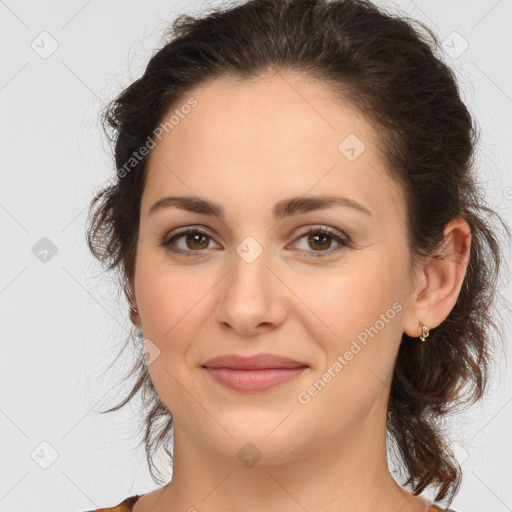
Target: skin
x,y
329,454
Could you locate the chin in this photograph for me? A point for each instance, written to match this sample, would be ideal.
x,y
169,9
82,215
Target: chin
x,y
261,435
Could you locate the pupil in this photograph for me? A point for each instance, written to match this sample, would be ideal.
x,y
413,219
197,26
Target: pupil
x,y
195,240
315,238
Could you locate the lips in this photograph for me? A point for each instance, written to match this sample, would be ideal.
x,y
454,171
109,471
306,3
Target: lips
x,y
256,362
255,373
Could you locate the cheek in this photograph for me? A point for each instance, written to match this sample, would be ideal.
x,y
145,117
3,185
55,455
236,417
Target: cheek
x,y
172,310
349,301
169,296
364,331
360,348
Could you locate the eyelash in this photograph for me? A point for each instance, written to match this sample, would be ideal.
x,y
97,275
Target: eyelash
x,y
343,242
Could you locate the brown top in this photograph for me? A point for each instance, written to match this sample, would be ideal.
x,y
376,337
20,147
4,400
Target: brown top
x,y
128,503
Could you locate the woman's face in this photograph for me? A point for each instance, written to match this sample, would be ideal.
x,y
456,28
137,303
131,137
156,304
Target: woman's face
x,y
250,282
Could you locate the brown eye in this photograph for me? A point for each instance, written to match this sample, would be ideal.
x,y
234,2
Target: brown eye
x,y
195,240
320,241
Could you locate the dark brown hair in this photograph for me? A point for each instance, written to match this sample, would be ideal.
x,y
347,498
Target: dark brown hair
x,y
390,68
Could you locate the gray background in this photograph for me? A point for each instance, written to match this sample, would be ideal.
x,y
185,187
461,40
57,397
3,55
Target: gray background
x,y
62,321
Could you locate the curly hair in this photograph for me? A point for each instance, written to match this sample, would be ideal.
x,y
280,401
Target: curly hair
x,y
390,68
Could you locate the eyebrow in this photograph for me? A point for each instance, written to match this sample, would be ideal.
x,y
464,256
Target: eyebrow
x,y
284,208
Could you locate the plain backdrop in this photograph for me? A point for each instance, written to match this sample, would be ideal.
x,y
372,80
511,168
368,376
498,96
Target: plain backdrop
x,y
62,321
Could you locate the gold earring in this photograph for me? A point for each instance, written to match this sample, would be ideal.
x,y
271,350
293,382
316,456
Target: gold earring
x,y
424,333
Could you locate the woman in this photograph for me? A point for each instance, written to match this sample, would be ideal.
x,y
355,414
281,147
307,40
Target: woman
x,y
298,230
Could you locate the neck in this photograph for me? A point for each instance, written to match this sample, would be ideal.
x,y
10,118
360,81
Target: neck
x,y
346,473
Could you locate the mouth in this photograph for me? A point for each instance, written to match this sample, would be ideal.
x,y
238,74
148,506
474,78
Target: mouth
x,y
255,373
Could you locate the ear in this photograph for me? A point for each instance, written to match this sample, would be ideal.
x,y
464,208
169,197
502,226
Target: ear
x,y
134,313
438,283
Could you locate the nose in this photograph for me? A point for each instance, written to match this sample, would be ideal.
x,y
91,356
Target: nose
x,y
252,297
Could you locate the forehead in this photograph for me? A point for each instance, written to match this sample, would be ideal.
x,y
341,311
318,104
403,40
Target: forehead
x,y
279,129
